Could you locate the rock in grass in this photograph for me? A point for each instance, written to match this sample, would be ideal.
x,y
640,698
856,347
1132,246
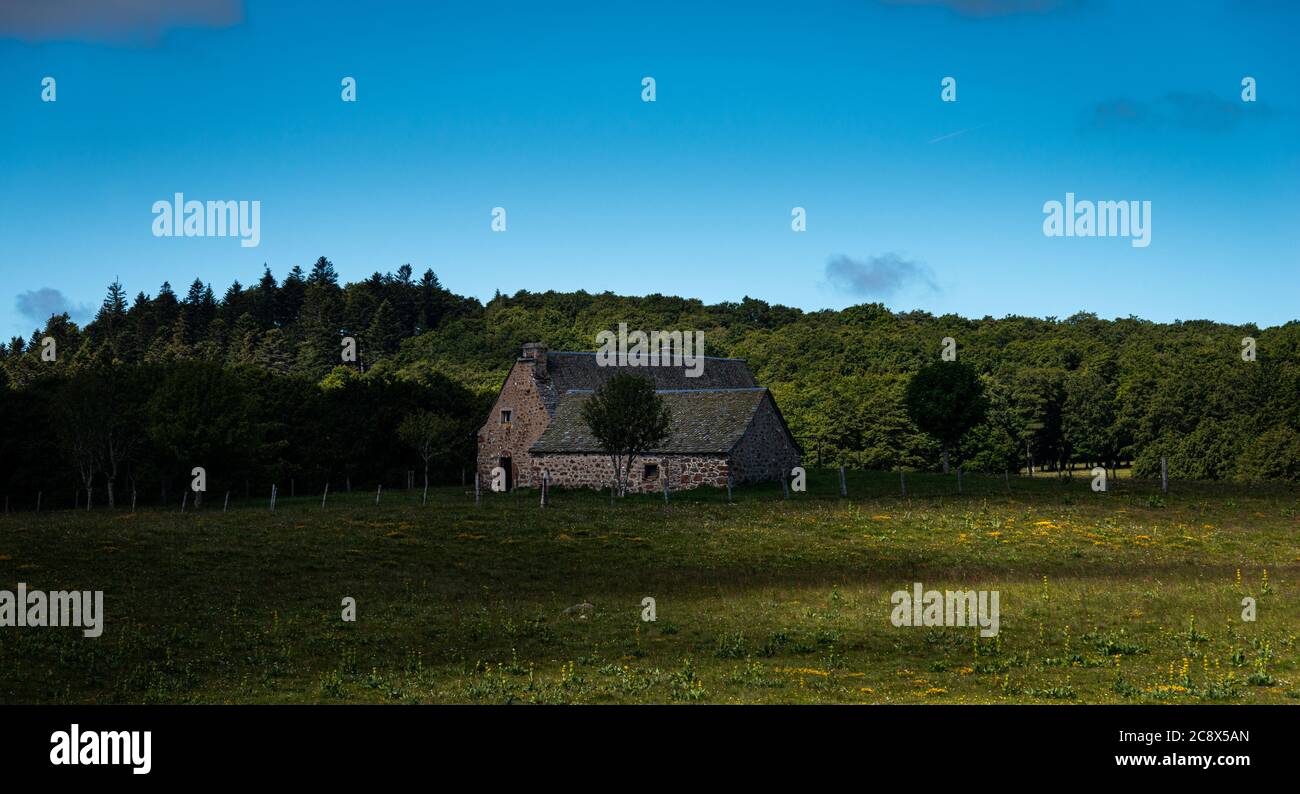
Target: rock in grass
x,y
581,611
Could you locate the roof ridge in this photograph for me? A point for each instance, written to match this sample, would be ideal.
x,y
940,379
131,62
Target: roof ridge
x,y
594,352
711,389
683,391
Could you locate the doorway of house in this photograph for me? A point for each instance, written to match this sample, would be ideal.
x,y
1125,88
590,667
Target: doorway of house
x,y
504,463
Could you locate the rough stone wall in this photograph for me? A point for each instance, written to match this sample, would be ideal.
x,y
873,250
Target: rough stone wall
x,y
684,472
765,452
528,419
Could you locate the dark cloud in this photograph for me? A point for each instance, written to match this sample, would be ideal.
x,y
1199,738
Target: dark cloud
x,y
112,21
996,8
37,306
1202,111
879,276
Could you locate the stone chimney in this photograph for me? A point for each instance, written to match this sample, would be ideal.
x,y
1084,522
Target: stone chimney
x,y
536,352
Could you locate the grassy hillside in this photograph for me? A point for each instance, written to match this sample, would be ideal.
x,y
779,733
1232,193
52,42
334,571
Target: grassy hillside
x,y
1119,597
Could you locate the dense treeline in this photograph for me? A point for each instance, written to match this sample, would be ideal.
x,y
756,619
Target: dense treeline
x,y
253,385
243,387
114,429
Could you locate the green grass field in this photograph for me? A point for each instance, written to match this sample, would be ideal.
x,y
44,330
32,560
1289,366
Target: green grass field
x,y
1122,597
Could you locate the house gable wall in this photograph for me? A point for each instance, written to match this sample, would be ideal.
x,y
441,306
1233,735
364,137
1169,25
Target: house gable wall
x,y
528,418
765,452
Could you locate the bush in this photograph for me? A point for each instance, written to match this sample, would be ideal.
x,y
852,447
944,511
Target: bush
x,y
1273,455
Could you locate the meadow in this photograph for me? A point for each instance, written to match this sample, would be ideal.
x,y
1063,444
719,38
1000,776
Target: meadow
x,y
1130,596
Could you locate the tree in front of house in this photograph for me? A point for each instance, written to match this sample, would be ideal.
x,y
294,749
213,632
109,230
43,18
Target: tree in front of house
x,y
431,435
945,399
627,418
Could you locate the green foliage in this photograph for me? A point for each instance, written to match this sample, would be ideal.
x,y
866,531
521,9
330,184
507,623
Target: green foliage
x,y
946,400
1272,455
1056,391
202,415
432,436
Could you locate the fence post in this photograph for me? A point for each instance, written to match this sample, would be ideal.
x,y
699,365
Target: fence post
x,y
185,499
476,488
132,499
728,487
545,482
1006,478
844,488
663,476
226,504
902,482
785,487
272,497
324,496
1164,474
959,479
39,494
378,492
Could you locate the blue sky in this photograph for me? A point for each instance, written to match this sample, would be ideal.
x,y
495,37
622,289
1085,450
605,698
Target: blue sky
x,y
831,106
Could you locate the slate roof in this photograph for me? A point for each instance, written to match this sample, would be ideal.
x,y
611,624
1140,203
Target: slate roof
x,y
568,371
704,421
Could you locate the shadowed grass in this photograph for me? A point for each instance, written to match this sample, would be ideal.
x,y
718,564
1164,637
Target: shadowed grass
x,y
1128,596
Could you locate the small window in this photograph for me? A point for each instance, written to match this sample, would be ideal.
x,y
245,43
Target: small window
x,y
505,417
651,471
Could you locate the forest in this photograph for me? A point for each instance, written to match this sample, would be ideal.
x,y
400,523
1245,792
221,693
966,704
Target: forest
x,y
253,387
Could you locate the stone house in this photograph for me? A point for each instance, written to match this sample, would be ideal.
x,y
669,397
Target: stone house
x,y
723,424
